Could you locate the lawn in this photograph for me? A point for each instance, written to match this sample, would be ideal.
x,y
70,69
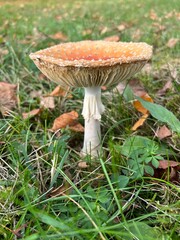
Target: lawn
x,y
47,189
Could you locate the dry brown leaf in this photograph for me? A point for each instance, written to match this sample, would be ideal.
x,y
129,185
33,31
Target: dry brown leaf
x,y
163,132
83,164
17,231
177,14
3,52
166,87
35,94
60,92
64,189
104,88
136,87
47,102
147,69
104,30
136,35
59,17
114,38
172,42
8,98
122,27
77,128
32,113
86,32
59,36
64,120
153,15
159,27
164,164
168,170
41,76
169,14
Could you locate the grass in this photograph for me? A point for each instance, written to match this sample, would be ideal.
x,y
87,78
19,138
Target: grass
x,y
102,201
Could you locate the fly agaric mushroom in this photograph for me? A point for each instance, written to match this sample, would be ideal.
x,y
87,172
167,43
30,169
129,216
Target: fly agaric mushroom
x,y
92,64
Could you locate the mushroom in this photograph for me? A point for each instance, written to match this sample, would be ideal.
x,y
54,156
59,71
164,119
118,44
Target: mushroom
x,y
92,64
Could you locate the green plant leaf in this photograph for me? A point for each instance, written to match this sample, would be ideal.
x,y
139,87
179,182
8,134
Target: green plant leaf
x,y
121,180
140,143
149,170
141,231
49,220
32,237
162,114
155,163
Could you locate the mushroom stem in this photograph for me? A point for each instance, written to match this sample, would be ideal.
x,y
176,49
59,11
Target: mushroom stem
x,y
92,110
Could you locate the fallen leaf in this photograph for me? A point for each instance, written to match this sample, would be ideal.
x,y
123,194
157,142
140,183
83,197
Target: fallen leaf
x,y
8,98
122,27
136,87
3,52
47,102
140,122
120,87
114,38
166,87
177,14
104,88
139,106
163,132
153,15
134,84
104,30
17,231
61,190
32,113
77,128
164,164
141,109
172,42
35,94
59,17
60,92
86,32
147,69
168,170
159,27
169,14
64,189
173,71
59,36
83,164
67,119
41,76
137,35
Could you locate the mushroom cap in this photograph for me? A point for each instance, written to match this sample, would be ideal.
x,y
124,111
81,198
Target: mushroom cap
x,y
92,63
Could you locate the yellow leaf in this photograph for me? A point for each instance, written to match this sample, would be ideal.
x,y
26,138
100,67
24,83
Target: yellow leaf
x,y
139,106
139,122
60,92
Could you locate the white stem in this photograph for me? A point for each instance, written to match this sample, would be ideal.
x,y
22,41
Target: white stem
x,y
92,110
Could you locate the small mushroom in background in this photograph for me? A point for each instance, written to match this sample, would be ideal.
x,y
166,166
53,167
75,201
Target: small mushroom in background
x,y
92,64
